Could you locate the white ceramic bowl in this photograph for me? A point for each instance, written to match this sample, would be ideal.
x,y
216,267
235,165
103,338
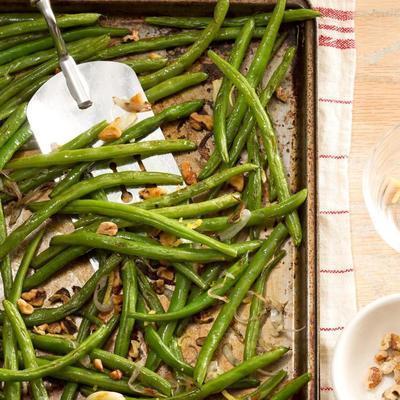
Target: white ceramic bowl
x,y
356,348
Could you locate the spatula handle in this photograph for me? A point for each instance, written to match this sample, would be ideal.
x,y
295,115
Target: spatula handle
x,y
75,82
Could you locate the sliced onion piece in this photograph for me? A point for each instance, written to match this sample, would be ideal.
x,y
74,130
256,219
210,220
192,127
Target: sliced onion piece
x,y
138,367
233,230
227,351
99,305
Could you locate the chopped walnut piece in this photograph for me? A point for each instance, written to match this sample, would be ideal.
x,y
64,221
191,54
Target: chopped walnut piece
x,y
137,103
24,307
132,37
169,240
187,172
159,286
134,349
54,328
393,393
62,295
116,375
41,329
68,326
154,56
117,299
281,94
111,131
395,342
201,121
107,228
237,182
397,374
381,356
386,342
150,193
165,273
387,367
98,364
35,297
374,377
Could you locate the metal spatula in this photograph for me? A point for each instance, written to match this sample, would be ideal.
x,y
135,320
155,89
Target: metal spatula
x,y
80,96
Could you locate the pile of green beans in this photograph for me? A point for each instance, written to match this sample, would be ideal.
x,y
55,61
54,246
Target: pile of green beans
x,y
165,257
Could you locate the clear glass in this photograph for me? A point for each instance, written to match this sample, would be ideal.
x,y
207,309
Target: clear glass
x,y
381,187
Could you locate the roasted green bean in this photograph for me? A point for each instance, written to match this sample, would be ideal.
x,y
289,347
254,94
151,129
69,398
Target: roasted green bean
x,y
129,286
66,157
222,101
145,64
12,124
174,85
269,139
292,387
77,191
256,309
267,387
203,300
155,252
24,48
184,61
25,344
39,24
261,19
237,294
29,374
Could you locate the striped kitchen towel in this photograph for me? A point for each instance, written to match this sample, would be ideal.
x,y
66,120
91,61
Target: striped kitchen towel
x,y
336,72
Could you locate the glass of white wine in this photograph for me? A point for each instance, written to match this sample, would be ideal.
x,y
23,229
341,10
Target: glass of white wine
x,y
381,187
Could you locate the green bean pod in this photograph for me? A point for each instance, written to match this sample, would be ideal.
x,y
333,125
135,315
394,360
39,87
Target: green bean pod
x,y
145,64
25,344
208,277
5,80
184,61
64,21
237,294
253,77
67,157
20,137
77,191
75,355
154,252
24,48
235,374
156,220
31,249
53,266
174,85
146,376
257,306
203,300
9,18
269,139
198,188
292,387
166,331
12,124
188,271
16,40
261,19
129,285
12,390
249,124
222,101
267,387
